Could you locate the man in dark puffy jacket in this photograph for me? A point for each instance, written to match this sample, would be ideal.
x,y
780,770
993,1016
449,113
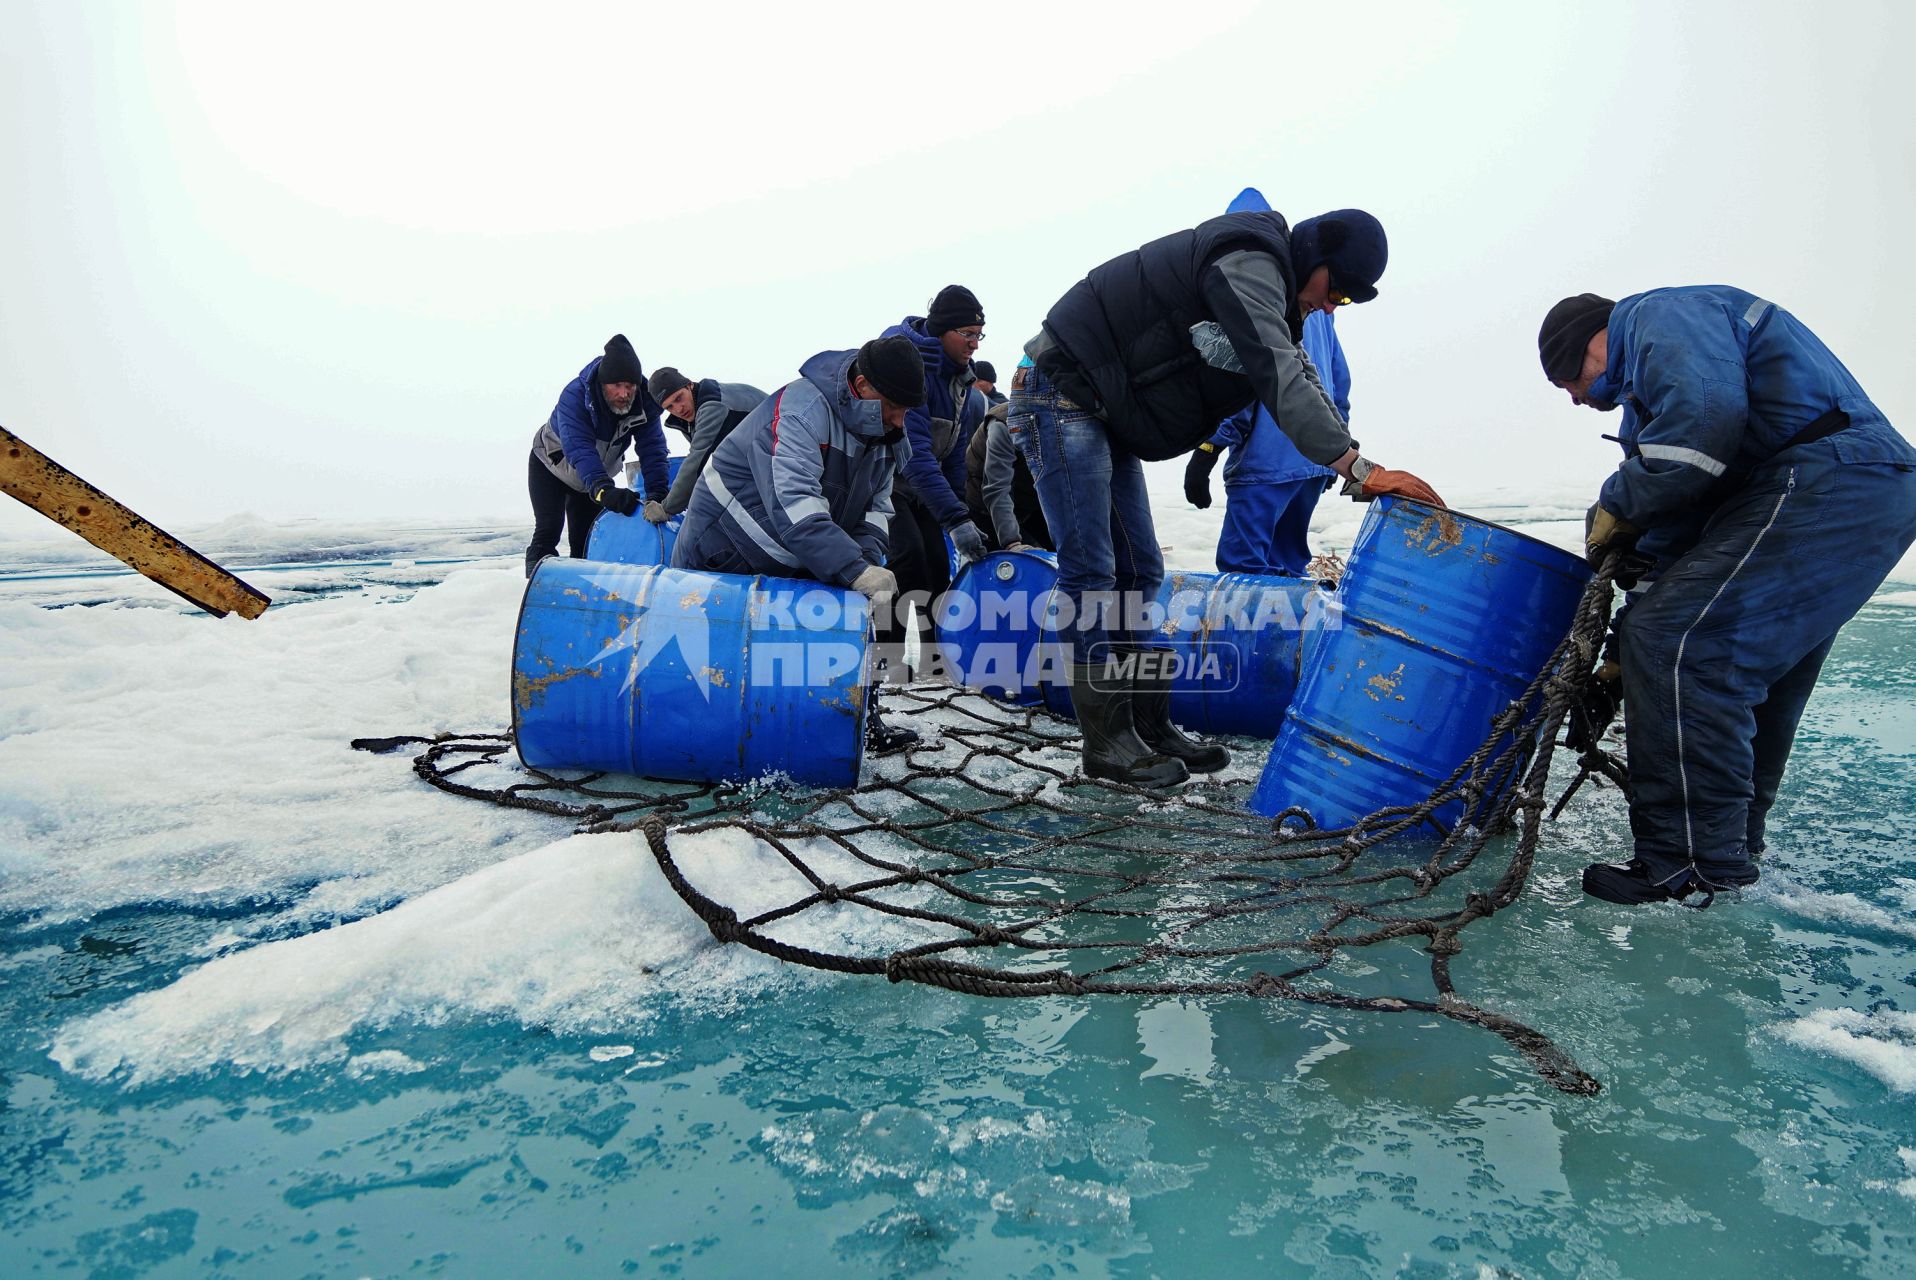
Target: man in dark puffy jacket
x,y
930,491
578,450
1141,360
706,411
1767,498
803,487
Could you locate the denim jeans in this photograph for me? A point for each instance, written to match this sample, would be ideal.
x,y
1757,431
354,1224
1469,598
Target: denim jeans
x,y
1099,513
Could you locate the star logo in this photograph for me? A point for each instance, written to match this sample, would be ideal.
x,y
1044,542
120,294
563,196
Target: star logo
x,y
654,631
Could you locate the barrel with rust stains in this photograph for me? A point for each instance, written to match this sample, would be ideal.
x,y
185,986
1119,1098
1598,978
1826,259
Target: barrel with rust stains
x,y
1446,619
1241,641
698,677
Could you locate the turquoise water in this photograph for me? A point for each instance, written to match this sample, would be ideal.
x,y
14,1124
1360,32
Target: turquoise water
x,y
1759,1063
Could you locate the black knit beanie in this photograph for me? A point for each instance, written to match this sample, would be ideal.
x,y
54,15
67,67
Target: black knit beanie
x,y
621,362
1567,331
1350,242
895,369
982,370
955,307
665,381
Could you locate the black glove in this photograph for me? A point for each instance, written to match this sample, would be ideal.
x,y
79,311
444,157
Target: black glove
x,y
1197,476
1596,710
613,498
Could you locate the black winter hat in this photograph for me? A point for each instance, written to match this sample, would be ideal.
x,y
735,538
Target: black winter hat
x,y
666,380
1350,242
621,362
1567,331
895,369
953,308
984,372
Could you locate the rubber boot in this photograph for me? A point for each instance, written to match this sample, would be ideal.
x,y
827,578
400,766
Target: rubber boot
x,y
1112,748
1151,711
882,739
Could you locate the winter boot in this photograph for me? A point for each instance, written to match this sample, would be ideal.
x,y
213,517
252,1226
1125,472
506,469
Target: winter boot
x,y
1112,748
883,739
1151,711
1636,884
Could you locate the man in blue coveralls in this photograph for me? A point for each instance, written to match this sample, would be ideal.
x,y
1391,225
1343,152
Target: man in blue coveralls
x,y
1770,498
1270,489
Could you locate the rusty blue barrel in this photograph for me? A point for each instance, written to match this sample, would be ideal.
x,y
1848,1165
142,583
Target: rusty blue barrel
x,y
992,626
699,677
632,539
1241,640
1446,619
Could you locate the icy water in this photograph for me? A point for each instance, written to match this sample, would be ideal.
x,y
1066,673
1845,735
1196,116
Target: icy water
x,y
273,1008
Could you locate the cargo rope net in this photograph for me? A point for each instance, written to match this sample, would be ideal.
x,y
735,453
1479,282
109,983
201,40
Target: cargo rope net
x,y
1151,893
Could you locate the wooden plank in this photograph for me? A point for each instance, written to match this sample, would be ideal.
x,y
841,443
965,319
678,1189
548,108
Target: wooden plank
x,y
121,532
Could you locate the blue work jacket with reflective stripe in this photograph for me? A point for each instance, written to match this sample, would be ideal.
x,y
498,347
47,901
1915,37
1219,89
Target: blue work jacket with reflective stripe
x,y
1714,382
1260,451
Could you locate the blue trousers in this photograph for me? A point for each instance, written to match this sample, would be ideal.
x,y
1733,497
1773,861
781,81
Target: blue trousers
x,y
1720,653
1267,525
1099,514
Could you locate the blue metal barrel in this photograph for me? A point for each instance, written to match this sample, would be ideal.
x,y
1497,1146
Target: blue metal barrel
x,y
1241,640
632,539
1446,620
700,677
991,625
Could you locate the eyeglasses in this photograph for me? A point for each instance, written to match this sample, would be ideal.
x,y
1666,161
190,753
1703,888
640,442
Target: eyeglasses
x,y
973,336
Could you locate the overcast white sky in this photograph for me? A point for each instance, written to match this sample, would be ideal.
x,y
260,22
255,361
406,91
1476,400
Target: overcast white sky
x,y
338,260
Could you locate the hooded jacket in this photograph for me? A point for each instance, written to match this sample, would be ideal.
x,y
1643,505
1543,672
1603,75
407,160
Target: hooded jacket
x,y
1714,382
1166,341
582,443
941,429
717,408
801,487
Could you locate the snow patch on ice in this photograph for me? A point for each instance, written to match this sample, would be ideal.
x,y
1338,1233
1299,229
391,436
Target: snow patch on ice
x,y
583,936
1842,908
1881,1042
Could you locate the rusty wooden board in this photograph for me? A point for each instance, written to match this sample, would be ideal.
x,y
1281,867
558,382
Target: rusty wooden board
x,y
121,532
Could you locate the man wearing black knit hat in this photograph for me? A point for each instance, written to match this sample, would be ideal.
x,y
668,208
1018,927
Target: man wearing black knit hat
x,y
803,487
579,449
1762,499
930,492
1139,361
706,411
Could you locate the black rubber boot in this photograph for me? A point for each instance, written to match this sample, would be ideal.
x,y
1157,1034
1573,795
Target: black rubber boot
x,y
1112,748
1635,884
1151,712
883,739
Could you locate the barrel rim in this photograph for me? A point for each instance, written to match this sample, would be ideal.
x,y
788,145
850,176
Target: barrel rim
x,y
1396,500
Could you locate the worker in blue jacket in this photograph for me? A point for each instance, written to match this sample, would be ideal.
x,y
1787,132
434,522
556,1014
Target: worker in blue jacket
x,y
930,489
581,446
1270,489
1769,498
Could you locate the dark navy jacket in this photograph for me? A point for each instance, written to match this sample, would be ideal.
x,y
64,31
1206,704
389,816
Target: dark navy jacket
x,y
1713,383
1166,341
941,429
582,443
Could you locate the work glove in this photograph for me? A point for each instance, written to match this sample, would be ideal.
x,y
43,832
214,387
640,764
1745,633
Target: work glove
x,y
655,511
968,542
875,582
1368,481
1603,532
613,498
1024,546
1197,475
